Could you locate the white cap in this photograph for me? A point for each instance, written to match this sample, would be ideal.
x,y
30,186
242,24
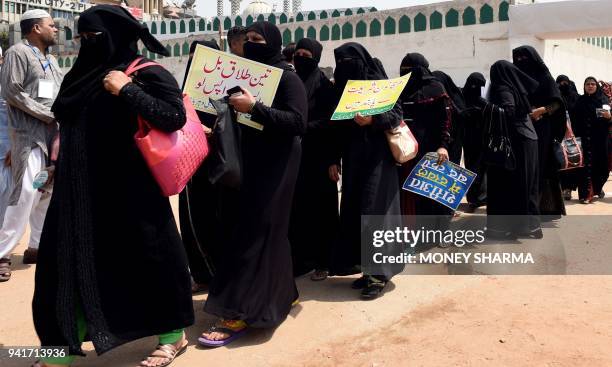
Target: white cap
x,y
35,14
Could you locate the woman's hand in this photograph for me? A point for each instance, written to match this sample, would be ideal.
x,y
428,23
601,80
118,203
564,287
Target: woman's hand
x,y
606,114
363,120
115,80
334,172
442,155
537,113
243,102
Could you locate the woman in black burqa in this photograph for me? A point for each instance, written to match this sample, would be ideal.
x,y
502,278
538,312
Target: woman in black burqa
x,y
549,120
592,129
568,178
427,110
512,194
253,285
474,138
458,108
314,219
370,190
111,262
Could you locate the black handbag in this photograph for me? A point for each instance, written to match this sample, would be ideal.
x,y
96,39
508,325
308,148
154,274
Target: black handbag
x,y
569,152
225,159
498,147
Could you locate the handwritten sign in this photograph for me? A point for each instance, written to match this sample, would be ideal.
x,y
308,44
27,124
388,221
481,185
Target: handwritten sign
x,y
447,184
369,97
213,73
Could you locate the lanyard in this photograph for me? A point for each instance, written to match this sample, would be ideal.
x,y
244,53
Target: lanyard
x,y
44,65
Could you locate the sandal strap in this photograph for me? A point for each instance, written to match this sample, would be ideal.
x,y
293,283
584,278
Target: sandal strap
x,y
220,329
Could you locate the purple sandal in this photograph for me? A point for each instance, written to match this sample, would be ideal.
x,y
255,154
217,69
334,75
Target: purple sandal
x,y
233,335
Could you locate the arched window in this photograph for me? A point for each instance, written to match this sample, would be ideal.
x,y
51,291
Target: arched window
x,y
216,24
324,35
238,21
249,20
169,49
68,32
151,55
272,18
323,15
486,14
312,15
163,27
347,31
172,27
261,18
286,37
361,30
598,41
375,28
503,11
348,12
209,27
420,23
68,63
335,14
182,28
227,23
390,26
299,17
311,33
283,18
607,43
60,62
177,50
360,11
185,48
435,21
201,25
404,24
372,9
299,34
153,30
469,16
335,32
452,18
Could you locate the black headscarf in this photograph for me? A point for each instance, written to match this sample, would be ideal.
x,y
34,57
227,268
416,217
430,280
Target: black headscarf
x,y
353,62
211,43
455,94
506,75
527,59
598,98
268,53
472,90
304,66
421,81
568,91
114,49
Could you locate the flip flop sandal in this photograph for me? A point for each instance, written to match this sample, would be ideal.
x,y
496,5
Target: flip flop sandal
x,y
5,270
233,335
373,290
169,352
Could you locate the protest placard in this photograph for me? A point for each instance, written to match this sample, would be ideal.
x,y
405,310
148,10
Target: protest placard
x,y
369,97
447,184
213,73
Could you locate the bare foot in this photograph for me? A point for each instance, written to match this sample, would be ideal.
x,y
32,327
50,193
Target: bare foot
x,y
164,353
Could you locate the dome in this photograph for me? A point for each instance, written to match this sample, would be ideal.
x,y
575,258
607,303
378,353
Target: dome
x,y
257,7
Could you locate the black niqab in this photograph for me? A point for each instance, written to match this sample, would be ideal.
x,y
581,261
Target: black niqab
x,y
527,59
353,62
472,90
568,91
505,74
421,79
305,66
455,94
268,53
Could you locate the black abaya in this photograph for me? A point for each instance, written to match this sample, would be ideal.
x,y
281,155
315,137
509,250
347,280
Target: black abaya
x,y
314,218
110,240
458,105
254,280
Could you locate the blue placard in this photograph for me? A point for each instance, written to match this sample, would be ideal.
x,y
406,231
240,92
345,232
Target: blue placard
x,y
447,184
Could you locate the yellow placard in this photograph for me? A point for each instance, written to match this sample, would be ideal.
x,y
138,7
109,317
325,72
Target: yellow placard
x,y
369,97
213,73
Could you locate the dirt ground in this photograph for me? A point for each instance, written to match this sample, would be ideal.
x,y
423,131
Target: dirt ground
x,y
422,320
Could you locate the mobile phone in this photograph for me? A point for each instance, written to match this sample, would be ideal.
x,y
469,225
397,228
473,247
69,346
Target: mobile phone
x,y
234,90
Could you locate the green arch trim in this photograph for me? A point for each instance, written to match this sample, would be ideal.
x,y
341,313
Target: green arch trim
x,y
324,34
375,28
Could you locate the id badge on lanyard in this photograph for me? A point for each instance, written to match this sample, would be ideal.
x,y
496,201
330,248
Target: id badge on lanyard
x,y
46,88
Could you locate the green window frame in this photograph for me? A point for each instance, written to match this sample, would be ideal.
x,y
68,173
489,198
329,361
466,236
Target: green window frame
x,y
335,14
249,20
312,15
361,30
153,30
261,18
361,11
323,15
177,50
390,26
469,16
404,24
452,18
336,32
172,27
420,23
486,14
162,28
227,23
201,25
348,12
60,62
299,34
504,8
375,28
238,21
286,37
324,34
68,63
182,27
185,48
216,24
311,33
347,31
272,18
299,17
435,20
283,18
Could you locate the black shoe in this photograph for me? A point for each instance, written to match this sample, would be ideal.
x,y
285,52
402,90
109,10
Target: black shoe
x,y
535,234
373,290
30,256
602,194
360,283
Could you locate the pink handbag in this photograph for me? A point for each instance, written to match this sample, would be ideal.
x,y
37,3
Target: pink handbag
x,y
172,157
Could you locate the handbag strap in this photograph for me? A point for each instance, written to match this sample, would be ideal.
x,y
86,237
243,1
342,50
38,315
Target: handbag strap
x,y
569,133
134,67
